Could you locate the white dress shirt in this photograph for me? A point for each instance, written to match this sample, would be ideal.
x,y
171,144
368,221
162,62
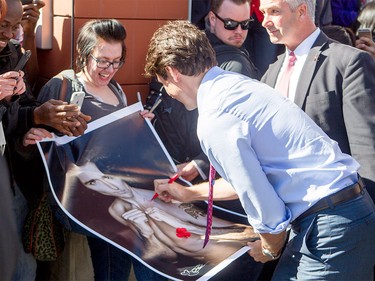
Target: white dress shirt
x,y
301,53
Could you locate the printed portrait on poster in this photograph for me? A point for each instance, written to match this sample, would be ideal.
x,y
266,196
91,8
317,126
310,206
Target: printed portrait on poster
x,y
103,181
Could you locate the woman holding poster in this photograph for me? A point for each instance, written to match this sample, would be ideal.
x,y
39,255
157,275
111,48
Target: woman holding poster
x,y
101,53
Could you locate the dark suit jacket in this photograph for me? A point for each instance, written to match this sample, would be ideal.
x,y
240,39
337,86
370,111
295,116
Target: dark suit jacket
x,y
337,90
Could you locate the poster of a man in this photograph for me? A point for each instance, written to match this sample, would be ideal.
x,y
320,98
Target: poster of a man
x,y
103,180
157,223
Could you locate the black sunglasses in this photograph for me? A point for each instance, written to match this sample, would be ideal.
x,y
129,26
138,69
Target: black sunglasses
x,y
233,24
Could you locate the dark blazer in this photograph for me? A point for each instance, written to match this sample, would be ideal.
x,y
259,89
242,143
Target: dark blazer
x,y
337,90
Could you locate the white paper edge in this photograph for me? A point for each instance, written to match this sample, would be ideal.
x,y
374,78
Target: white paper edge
x,y
224,263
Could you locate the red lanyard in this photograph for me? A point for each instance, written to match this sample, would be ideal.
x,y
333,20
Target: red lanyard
x,y
211,180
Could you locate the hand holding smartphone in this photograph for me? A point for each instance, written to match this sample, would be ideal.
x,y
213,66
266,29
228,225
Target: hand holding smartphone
x,y
365,32
23,60
77,99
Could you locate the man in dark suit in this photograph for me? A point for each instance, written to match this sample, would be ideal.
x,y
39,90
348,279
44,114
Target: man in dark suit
x,y
333,83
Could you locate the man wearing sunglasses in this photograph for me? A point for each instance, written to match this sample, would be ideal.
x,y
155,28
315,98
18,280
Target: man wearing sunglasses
x,y
229,22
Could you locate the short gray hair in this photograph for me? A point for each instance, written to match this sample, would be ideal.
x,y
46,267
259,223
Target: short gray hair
x,y
293,4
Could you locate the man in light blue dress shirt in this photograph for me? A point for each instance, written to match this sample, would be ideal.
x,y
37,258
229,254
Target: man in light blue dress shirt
x,y
284,169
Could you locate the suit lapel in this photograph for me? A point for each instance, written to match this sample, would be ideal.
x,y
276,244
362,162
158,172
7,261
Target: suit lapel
x,y
313,61
274,71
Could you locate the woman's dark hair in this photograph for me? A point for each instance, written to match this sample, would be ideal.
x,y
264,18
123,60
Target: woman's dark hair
x,y
109,30
179,44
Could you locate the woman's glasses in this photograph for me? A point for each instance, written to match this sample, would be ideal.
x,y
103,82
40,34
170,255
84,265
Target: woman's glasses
x,y
105,64
230,24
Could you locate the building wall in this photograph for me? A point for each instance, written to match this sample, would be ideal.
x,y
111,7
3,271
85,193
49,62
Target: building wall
x,y
140,18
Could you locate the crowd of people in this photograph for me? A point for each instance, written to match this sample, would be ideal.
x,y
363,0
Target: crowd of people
x,y
275,95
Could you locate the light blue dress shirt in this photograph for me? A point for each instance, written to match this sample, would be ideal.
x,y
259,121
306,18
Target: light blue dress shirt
x,y
277,159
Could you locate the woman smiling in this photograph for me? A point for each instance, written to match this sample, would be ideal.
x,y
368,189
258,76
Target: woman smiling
x,y
100,54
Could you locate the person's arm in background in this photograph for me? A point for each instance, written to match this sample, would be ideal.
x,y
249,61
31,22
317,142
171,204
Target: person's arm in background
x,y
18,119
31,13
197,169
34,135
366,44
198,192
64,117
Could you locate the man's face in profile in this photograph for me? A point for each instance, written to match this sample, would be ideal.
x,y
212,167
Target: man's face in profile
x,y
105,184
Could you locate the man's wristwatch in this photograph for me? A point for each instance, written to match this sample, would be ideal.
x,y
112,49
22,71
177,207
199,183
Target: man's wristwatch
x,y
268,253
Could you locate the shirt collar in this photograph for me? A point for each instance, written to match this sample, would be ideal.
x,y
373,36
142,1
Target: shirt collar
x,y
304,48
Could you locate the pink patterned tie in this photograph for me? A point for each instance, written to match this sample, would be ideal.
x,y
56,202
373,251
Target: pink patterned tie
x,y
211,180
283,84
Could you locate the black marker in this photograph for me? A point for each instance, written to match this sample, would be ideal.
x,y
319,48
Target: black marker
x,y
156,103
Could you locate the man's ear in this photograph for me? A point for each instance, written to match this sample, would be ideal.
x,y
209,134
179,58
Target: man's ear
x,y
302,10
173,73
212,18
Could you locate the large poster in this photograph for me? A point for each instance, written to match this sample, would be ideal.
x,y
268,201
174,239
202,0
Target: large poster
x,y
103,180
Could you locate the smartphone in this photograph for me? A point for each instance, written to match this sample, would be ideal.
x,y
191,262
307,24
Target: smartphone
x,y
77,98
25,2
23,60
365,32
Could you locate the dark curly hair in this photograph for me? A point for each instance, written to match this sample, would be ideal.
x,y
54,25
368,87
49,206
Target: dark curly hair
x,y
181,45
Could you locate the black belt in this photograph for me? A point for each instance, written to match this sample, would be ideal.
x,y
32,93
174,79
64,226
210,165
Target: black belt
x,y
335,199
